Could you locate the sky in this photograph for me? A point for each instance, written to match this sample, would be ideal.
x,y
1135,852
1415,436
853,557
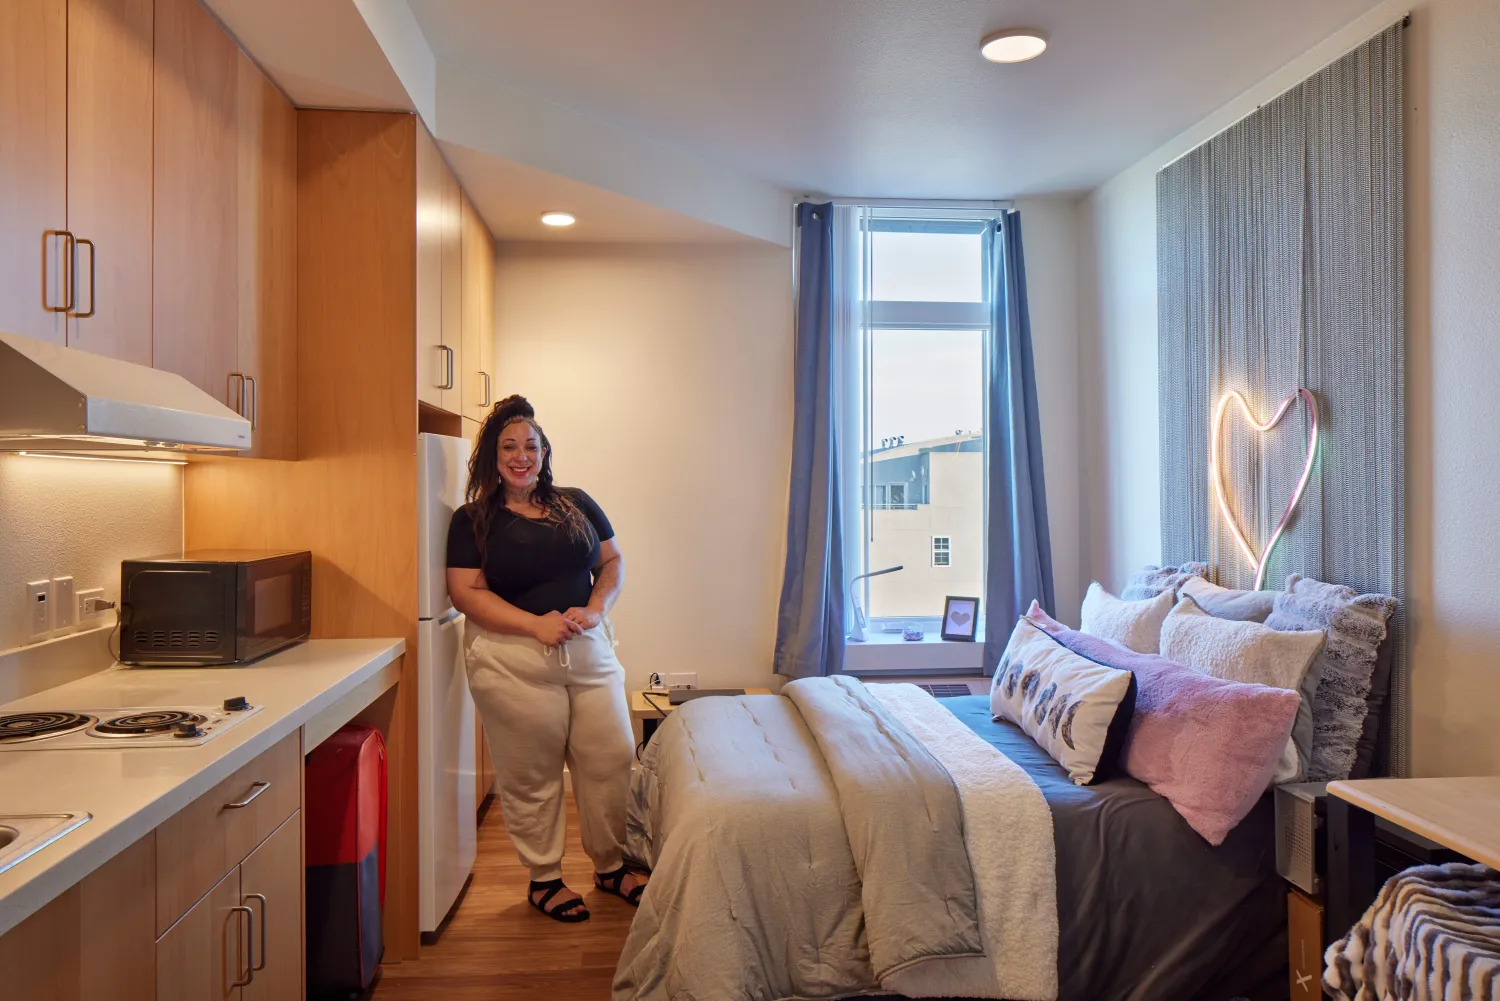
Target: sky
x,y
926,383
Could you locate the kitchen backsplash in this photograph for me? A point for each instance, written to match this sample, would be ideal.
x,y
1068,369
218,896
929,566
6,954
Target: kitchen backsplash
x,y
78,518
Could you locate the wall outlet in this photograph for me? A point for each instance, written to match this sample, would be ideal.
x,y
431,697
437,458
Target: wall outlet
x,y
86,607
64,605
38,609
688,679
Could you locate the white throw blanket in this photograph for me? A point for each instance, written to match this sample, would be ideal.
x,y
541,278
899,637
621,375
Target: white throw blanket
x,y
1433,934
1008,834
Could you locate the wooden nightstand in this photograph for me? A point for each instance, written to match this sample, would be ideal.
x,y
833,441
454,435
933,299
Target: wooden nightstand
x,y
1461,814
652,707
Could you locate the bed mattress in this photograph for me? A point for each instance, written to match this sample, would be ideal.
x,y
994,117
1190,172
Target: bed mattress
x,y
1147,910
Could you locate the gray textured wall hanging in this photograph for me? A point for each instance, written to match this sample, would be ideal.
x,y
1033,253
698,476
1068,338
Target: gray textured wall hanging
x,y
1280,266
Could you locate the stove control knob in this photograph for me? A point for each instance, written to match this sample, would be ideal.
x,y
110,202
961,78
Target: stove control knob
x,y
187,729
238,704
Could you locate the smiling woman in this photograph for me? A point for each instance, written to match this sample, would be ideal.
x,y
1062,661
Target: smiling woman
x,y
536,568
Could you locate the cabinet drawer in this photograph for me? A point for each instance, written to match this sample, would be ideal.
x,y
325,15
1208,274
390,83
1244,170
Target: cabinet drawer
x,y
197,846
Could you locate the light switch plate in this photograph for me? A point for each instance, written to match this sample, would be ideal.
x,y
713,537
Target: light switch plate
x,y
686,679
64,605
38,609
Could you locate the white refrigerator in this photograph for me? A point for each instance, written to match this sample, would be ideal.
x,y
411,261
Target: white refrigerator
x,y
445,710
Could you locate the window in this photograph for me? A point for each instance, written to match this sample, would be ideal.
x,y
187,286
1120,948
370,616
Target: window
x,y
923,329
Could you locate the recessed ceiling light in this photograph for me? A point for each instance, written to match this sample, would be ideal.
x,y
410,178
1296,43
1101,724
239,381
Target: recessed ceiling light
x,y
1013,45
558,219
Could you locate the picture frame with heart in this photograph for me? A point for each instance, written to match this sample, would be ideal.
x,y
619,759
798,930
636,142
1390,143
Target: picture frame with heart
x,y
960,619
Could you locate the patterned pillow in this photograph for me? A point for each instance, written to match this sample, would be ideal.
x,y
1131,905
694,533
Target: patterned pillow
x,y
1135,625
1356,627
1076,710
1245,651
1153,580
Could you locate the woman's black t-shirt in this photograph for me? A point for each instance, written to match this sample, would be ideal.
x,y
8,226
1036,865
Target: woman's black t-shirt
x,y
535,565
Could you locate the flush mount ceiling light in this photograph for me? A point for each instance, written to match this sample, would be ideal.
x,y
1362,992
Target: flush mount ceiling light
x,y
1013,45
558,219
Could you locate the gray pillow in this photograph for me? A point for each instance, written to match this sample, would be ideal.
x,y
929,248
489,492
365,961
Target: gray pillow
x,y
1380,686
1227,603
1153,580
1355,626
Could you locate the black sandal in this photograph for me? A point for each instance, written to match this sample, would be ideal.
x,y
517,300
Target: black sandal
x,y
610,882
569,913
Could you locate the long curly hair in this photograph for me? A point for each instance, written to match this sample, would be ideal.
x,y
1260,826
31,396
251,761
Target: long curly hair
x,y
486,492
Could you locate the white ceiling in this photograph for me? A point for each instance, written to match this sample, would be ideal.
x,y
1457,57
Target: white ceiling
x,y
885,98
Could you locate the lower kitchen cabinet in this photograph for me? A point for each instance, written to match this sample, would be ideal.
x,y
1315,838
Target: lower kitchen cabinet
x,y
205,956
271,884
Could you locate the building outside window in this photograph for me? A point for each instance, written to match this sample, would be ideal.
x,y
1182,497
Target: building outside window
x,y
922,410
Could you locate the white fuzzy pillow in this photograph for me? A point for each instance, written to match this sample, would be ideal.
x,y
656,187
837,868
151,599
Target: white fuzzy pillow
x,y
1135,625
1242,651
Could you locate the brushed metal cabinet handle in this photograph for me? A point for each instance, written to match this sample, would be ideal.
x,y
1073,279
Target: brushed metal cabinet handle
x,y
255,790
249,944
447,382
235,397
254,408
69,250
93,258
263,930
486,388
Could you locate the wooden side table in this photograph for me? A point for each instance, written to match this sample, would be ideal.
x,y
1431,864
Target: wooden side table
x,y
1461,814
652,707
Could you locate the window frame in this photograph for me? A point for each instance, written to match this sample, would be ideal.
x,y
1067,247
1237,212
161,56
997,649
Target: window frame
x,y
891,314
945,550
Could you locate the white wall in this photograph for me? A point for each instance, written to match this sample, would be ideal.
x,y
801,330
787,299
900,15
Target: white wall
x,y
663,377
60,518
1453,353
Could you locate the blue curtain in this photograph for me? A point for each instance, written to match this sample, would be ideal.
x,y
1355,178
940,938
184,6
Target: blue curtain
x,y
810,621
1020,557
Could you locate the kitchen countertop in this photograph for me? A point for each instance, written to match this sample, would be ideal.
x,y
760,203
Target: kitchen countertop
x,y
130,791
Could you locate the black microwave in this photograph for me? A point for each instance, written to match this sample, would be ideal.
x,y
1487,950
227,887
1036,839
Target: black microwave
x,y
213,607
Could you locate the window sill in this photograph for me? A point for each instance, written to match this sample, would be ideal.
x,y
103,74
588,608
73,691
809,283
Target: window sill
x,y
889,652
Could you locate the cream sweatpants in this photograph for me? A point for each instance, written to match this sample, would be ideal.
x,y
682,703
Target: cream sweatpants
x,y
541,707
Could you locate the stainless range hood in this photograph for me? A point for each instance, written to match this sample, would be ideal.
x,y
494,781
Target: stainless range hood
x,y
62,399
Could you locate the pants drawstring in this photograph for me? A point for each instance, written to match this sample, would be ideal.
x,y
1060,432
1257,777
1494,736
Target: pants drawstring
x,y
562,655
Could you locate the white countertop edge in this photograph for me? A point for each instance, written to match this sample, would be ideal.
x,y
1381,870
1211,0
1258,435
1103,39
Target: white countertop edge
x,y
71,858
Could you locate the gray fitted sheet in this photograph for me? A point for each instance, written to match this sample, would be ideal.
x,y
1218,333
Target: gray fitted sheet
x,y
1148,910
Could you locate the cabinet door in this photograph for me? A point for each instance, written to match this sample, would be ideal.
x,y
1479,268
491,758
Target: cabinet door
x,y
271,884
110,85
208,949
33,165
453,293
267,229
432,363
479,325
94,941
195,322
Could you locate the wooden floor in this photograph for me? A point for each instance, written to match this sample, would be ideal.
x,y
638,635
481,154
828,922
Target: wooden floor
x,y
497,948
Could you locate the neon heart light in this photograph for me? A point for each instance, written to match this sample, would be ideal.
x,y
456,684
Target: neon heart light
x,y
1260,562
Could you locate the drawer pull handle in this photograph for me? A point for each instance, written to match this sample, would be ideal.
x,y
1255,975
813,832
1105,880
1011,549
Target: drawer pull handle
x,y
262,898
255,790
248,941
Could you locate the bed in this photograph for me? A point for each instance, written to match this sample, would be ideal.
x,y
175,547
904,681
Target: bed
x,y
804,847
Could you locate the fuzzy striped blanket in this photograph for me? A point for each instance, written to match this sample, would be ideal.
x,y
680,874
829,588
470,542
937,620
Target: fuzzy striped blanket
x,y
1433,934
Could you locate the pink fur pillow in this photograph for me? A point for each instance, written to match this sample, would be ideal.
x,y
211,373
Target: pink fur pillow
x,y
1206,744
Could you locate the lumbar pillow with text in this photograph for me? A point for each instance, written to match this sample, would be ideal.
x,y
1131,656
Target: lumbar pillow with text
x,y
1251,652
1076,710
1135,625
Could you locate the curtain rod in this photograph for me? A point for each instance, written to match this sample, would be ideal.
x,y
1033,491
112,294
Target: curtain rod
x,y
920,203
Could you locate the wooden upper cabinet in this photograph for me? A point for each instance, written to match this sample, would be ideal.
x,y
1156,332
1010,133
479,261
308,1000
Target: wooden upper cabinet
x,y
33,165
266,230
432,363
478,314
453,293
110,107
195,283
